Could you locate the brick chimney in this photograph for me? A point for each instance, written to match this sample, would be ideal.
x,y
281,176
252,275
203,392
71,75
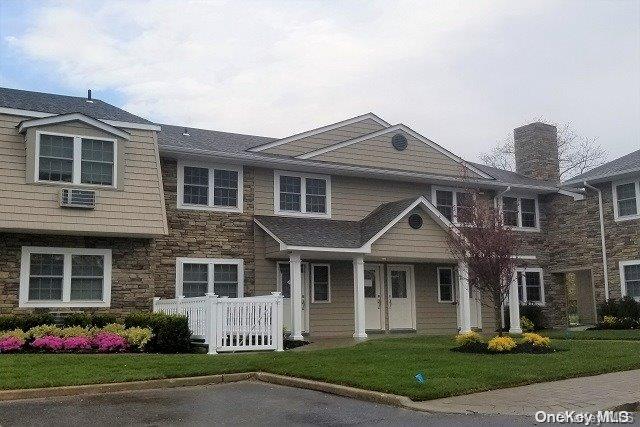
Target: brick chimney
x,y
536,151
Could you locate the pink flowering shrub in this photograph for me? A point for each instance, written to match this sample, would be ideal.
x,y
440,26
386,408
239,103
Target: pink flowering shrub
x,y
108,342
10,343
48,343
77,344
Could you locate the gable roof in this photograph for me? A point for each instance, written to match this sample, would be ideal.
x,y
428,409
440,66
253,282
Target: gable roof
x,y
173,136
282,141
52,104
626,164
294,233
73,117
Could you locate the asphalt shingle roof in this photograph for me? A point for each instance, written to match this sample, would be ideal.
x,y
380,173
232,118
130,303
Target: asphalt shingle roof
x,y
509,177
63,104
620,165
171,136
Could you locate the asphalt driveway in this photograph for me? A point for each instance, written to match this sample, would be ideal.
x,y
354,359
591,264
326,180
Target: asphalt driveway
x,y
234,403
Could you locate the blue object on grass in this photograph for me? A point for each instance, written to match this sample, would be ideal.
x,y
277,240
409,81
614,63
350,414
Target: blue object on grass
x,y
421,377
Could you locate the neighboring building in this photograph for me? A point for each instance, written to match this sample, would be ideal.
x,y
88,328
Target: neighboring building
x,y
349,220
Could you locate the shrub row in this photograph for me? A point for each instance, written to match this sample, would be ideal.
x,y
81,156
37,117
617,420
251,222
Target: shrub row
x,y
625,308
472,342
25,322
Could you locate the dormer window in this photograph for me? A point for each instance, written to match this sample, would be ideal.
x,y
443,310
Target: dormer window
x,y
297,194
75,159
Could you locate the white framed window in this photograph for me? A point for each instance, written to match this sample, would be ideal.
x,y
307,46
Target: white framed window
x,y
211,187
320,283
521,212
298,194
77,160
626,199
630,278
452,203
445,284
530,285
195,277
65,277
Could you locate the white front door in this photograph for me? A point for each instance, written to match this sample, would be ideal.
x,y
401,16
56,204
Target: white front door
x,y
400,297
475,305
284,286
373,288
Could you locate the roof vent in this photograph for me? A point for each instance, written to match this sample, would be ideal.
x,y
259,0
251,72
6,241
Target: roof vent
x,y
89,96
75,198
185,132
399,142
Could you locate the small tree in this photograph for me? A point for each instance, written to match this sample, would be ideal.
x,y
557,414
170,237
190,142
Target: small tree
x,y
489,249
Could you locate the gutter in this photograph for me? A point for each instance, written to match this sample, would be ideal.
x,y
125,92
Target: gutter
x,y
498,196
602,240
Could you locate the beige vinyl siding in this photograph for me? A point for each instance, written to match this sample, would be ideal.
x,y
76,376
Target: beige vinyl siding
x,y
352,198
135,208
337,317
402,241
266,275
379,153
433,317
325,139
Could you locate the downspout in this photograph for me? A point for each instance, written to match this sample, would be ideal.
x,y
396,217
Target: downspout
x,y
603,242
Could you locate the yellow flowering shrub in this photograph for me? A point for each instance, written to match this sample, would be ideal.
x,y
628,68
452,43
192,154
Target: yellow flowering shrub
x,y
115,328
138,337
526,324
76,331
610,321
536,340
502,344
16,333
42,330
467,338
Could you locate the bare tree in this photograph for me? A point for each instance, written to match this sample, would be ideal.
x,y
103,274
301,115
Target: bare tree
x,y
489,249
577,153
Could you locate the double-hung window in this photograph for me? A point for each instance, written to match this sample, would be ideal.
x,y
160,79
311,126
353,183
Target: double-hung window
x,y
209,187
65,277
630,278
299,194
530,285
195,277
445,284
520,212
320,283
75,159
453,204
626,200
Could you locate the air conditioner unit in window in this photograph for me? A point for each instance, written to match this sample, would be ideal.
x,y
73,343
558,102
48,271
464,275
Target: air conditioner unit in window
x,y
75,198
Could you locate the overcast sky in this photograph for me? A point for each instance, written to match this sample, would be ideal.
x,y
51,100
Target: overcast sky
x,y
463,74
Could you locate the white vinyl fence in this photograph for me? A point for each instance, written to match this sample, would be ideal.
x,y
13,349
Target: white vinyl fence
x,y
230,324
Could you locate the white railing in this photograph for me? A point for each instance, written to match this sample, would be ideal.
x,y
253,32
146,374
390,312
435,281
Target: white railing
x,y
231,324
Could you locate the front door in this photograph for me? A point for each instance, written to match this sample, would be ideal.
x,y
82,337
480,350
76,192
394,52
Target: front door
x,y
284,286
373,297
400,297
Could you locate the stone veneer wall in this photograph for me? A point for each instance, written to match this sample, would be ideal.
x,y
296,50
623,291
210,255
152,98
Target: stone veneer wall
x,y
202,234
132,286
536,151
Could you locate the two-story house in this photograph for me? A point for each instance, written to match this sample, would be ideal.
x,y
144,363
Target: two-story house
x,y
349,221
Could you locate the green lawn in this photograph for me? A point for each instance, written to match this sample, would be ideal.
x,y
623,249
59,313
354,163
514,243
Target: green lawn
x,y
598,334
387,365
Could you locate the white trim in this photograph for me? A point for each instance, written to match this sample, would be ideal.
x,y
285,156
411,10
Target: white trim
x,y
303,195
411,291
576,195
323,249
395,128
452,284
614,192
211,167
40,114
623,279
602,177
320,130
524,285
76,175
455,191
519,197
283,245
65,302
65,118
180,261
313,280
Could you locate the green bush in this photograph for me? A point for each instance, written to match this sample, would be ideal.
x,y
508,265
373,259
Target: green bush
x,y
25,322
625,308
86,320
171,333
532,312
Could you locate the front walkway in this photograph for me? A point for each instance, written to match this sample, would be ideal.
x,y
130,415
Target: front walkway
x,y
585,394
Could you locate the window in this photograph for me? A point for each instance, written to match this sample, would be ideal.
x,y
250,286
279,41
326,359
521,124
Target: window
x,y
75,159
530,285
445,284
520,212
284,279
195,277
630,278
453,205
626,200
370,285
298,194
65,277
209,187
320,283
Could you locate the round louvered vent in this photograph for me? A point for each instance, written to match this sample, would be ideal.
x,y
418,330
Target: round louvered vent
x,y
399,142
415,221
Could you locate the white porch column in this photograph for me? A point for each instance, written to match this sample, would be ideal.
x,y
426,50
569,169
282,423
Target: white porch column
x,y
464,308
514,306
295,269
358,297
